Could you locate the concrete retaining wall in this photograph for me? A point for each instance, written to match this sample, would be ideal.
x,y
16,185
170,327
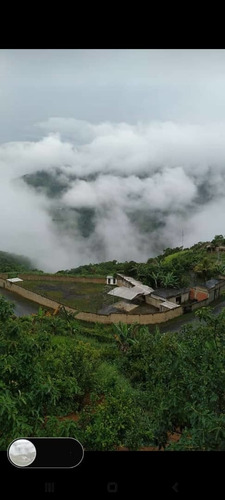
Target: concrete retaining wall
x,y
38,277
142,319
34,297
202,303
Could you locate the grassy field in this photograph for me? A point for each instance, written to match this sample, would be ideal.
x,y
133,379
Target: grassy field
x,y
174,255
88,297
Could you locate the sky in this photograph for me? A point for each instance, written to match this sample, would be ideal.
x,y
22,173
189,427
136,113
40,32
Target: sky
x,y
148,124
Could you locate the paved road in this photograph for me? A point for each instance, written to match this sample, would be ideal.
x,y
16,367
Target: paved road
x,y
176,324
23,306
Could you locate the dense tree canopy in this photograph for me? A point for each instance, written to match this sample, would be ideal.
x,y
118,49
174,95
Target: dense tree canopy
x,y
112,386
120,385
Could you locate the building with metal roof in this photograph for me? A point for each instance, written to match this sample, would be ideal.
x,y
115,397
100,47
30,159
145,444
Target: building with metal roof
x,y
211,290
14,280
127,293
177,295
110,280
166,293
131,282
165,305
211,283
131,289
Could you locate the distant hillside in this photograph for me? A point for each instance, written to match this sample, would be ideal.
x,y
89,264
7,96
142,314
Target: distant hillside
x,y
53,182
175,267
10,262
83,219
91,210
49,182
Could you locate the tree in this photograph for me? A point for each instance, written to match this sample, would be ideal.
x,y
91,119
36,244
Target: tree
x,y
6,309
156,278
170,251
220,268
125,335
218,240
169,280
205,268
181,379
130,268
41,374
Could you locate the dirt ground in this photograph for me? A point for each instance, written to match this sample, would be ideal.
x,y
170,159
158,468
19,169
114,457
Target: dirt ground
x,y
89,297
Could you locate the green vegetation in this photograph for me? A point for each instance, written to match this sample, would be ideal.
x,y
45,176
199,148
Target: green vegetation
x,y
112,386
218,240
175,267
102,269
169,258
11,263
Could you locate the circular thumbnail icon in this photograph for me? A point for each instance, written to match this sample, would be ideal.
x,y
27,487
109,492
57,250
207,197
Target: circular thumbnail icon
x,y
22,452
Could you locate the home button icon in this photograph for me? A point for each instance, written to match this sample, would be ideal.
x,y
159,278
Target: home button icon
x,y
112,487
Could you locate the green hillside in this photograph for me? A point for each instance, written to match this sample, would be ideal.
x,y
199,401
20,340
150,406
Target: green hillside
x,y
10,262
174,267
117,386
112,386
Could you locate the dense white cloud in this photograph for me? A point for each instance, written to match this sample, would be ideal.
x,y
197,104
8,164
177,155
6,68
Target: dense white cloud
x,y
145,146
171,172
169,189
19,158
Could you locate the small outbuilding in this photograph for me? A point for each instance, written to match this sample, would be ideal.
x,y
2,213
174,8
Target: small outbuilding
x,y
127,293
167,306
110,280
211,290
130,282
176,295
14,280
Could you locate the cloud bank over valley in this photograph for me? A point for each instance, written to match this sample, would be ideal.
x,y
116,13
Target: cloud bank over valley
x,y
85,192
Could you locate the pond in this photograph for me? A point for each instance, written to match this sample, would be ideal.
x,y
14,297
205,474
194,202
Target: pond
x,y
23,306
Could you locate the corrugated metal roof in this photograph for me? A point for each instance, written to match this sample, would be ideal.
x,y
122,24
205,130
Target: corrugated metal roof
x,y
134,282
14,280
127,293
169,305
170,292
146,288
211,283
157,297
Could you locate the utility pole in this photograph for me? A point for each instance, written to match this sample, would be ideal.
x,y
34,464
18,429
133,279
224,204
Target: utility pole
x,y
182,238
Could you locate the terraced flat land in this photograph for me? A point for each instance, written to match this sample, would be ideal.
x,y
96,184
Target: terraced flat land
x,y
88,297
